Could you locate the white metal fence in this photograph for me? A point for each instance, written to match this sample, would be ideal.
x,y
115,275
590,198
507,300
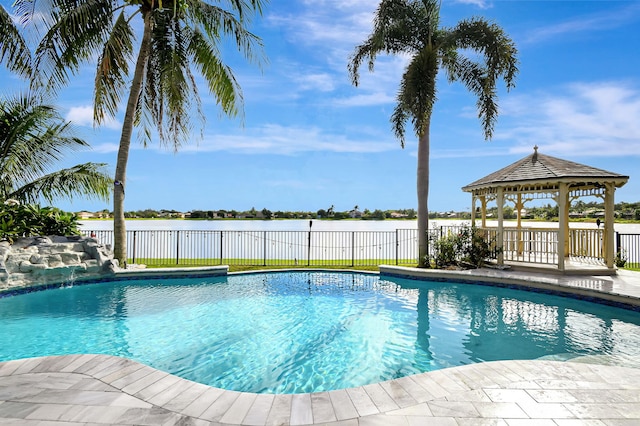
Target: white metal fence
x,y
347,248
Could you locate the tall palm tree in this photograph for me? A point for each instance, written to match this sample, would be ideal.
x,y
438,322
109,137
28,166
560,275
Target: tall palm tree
x,y
13,49
33,138
475,52
177,35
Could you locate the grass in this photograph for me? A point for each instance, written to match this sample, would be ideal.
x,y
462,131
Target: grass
x,y
244,268
240,265
251,264
632,266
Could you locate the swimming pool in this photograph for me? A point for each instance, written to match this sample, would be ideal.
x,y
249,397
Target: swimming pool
x,y
296,332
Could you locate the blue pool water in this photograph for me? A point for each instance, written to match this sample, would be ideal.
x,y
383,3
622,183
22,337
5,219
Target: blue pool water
x,y
293,332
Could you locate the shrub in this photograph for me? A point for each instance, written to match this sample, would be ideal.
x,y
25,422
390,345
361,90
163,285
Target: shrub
x,y
28,220
621,258
467,244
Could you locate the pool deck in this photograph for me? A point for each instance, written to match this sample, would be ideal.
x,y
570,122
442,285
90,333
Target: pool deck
x,y
100,389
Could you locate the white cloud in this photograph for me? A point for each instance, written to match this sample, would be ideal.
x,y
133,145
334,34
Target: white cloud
x,y
482,4
589,23
597,119
105,148
83,116
283,140
368,99
322,82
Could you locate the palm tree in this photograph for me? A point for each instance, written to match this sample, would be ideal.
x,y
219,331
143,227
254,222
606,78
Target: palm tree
x,y
474,52
33,137
177,35
13,49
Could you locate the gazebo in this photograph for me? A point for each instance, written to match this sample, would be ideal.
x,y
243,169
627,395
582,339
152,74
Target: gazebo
x,y
540,176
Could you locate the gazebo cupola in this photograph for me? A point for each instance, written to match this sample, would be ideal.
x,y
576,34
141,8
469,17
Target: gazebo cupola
x,y
539,176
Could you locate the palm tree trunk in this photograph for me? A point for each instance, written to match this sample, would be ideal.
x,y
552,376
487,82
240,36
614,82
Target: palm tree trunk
x,y
423,195
119,228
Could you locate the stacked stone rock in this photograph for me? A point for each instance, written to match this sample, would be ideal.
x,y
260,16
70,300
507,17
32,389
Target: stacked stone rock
x,y
51,260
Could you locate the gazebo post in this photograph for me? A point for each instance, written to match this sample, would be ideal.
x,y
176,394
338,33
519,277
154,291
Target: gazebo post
x,y
609,218
483,202
473,211
563,218
500,233
519,206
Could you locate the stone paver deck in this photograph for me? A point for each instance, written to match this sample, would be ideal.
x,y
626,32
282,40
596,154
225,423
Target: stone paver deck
x,y
99,389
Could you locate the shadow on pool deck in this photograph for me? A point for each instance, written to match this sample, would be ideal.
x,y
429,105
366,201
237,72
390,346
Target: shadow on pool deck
x,y
101,389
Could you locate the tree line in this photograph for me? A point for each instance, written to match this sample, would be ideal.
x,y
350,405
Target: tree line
x,y
549,212
266,214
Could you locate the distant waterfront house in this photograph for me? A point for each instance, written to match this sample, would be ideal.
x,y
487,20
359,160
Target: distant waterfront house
x,y
83,215
396,215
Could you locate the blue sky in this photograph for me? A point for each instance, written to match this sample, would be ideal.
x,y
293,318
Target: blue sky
x,y
310,140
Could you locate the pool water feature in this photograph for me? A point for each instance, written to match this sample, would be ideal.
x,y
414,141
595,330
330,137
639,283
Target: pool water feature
x,y
296,332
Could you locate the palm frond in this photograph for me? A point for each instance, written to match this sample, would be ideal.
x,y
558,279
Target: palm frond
x,y
13,48
169,89
113,69
497,59
490,41
216,22
88,180
76,34
417,93
36,136
400,26
220,79
33,138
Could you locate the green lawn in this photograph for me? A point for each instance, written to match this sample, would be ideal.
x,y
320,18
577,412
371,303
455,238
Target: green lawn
x,y
253,264
632,266
236,265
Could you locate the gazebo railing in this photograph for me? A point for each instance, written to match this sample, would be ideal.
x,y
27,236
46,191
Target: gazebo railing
x,y
540,245
587,243
531,245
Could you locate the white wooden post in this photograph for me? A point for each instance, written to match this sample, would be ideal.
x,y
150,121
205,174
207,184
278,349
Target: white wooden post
x,y
609,219
500,233
563,218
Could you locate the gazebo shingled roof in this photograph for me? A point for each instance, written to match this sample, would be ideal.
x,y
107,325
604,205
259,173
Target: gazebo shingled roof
x,y
539,167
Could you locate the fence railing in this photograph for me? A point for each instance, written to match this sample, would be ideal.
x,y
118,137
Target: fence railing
x,y
346,248
628,249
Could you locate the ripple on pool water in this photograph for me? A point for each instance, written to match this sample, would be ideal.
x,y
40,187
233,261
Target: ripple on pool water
x,y
293,332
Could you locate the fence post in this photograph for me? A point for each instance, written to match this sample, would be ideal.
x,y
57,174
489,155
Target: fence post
x,y
221,245
177,247
133,256
397,246
309,246
617,246
353,247
264,248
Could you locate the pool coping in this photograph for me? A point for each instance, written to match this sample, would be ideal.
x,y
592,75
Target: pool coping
x,y
598,289
104,389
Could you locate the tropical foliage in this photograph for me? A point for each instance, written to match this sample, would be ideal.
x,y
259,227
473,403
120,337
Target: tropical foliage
x,y
34,138
26,220
161,92
475,52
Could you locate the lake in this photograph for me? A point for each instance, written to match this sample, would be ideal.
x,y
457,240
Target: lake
x,y
316,225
